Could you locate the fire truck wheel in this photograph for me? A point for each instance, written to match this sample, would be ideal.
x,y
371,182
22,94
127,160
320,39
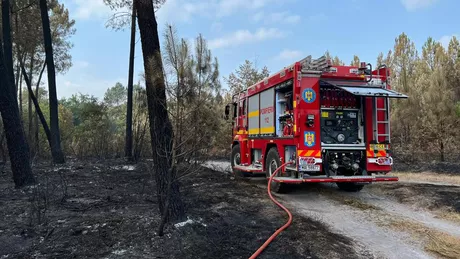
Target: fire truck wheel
x,y
236,160
350,187
272,163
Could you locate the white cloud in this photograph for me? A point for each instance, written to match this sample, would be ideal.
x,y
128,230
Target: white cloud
x,y
445,40
245,36
182,11
289,55
258,16
412,5
279,17
228,7
185,10
90,9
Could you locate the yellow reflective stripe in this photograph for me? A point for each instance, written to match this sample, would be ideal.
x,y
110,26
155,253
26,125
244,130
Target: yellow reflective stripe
x,y
253,131
309,152
267,130
295,128
253,114
242,132
295,104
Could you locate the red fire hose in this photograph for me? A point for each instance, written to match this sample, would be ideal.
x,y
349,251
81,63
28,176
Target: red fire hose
x,y
269,240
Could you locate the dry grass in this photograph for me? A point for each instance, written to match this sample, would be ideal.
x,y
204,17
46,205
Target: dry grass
x,y
428,177
437,242
352,202
449,215
359,204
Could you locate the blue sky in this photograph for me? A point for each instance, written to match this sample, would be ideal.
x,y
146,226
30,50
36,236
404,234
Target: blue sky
x,y
272,32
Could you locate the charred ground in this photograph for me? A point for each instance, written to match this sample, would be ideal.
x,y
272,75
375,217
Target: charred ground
x,y
108,210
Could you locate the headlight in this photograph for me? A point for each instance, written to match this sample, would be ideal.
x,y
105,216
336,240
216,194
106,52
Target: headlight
x,y
341,137
355,166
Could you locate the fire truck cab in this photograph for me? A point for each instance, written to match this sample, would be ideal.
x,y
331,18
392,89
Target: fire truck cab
x,y
324,123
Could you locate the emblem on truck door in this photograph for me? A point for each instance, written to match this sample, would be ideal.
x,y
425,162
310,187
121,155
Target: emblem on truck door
x,y
309,138
309,95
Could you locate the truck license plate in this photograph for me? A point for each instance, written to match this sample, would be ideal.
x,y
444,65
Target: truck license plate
x,y
378,146
310,168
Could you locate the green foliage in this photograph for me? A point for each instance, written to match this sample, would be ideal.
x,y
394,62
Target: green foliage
x,y
82,107
246,75
429,119
355,62
457,110
94,128
28,34
115,95
336,61
193,89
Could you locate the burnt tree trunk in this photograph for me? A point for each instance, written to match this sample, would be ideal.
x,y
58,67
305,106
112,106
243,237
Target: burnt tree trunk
x,y
161,131
18,76
58,155
129,106
37,106
20,99
18,148
8,43
37,115
29,108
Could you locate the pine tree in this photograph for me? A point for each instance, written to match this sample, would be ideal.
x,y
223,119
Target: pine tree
x,y
169,197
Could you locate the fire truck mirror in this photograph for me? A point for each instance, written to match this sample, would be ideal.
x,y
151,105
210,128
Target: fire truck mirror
x,y
227,111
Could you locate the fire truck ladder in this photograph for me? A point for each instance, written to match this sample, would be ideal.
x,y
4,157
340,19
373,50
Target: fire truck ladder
x,y
386,120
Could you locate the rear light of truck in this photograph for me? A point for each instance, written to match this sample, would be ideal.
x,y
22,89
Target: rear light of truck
x,y
381,160
307,160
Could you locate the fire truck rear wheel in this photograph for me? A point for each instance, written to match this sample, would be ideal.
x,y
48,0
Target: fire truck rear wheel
x,y
236,160
272,163
350,187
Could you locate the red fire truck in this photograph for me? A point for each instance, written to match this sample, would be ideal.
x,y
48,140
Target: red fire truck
x,y
329,123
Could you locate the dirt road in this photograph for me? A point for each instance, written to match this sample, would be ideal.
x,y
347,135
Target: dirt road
x,y
376,221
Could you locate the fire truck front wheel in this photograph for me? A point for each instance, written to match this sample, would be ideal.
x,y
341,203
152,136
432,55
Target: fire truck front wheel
x,y
272,163
236,160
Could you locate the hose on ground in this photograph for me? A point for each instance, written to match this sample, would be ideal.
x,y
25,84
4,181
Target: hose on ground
x,y
272,237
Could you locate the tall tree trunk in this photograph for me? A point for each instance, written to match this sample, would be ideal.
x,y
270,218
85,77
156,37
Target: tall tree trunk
x,y
8,43
30,116
129,106
37,106
2,151
37,116
177,119
18,76
160,126
20,99
15,138
58,156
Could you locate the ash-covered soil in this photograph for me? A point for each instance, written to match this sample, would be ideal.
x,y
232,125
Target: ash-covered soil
x,y
435,167
109,210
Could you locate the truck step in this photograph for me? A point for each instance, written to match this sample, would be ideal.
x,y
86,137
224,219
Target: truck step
x,y
332,179
251,168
